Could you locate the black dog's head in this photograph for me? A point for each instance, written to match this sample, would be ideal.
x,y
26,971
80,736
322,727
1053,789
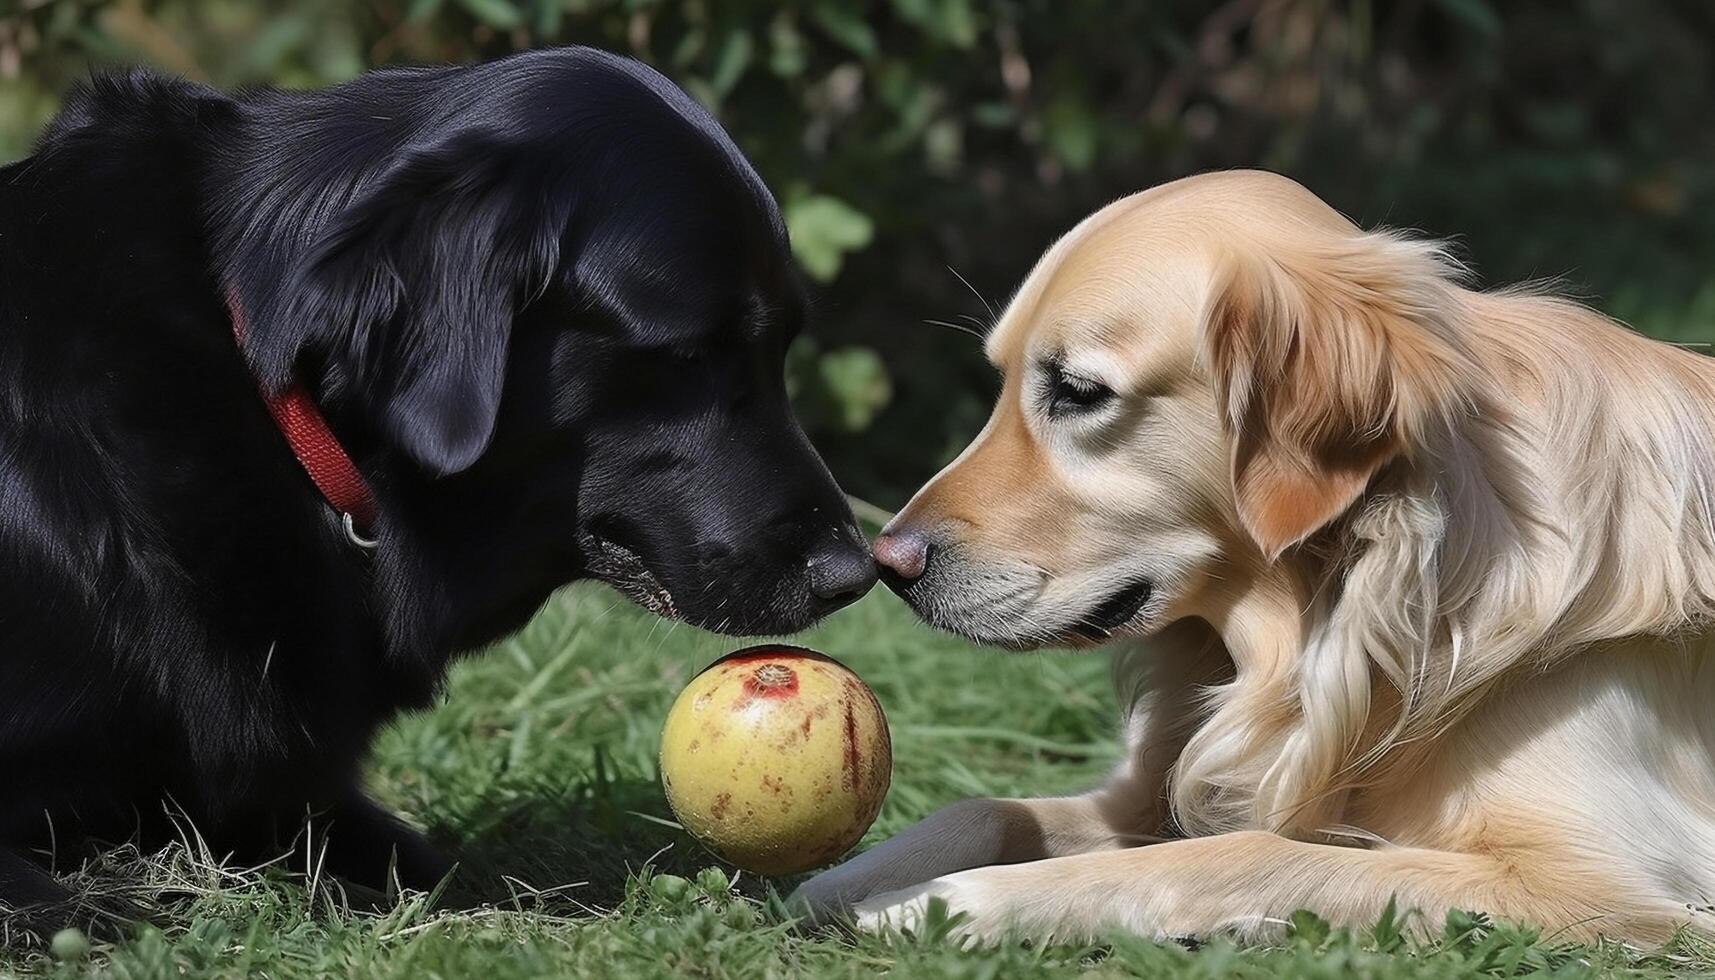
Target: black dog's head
x,y
547,301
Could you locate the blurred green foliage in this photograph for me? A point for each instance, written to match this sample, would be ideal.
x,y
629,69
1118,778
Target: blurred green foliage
x,y
911,138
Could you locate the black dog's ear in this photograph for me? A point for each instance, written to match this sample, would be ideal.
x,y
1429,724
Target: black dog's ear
x,y
411,290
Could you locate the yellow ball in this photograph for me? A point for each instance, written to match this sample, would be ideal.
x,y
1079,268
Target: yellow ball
x,y
776,758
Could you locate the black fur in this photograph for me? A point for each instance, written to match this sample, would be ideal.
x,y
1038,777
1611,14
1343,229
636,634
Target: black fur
x,y
544,302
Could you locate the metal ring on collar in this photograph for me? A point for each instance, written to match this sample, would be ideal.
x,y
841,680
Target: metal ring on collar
x,y
352,535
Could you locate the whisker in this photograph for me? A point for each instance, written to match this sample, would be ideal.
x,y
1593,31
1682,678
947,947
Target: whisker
x,y
960,327
980,298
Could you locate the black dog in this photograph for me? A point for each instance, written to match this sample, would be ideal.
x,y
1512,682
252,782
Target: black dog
x,y
542,303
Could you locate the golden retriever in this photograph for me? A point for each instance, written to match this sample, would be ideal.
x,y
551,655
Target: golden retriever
x,y
1408,587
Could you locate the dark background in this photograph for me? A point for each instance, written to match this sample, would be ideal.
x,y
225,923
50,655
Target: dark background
x,y
909,138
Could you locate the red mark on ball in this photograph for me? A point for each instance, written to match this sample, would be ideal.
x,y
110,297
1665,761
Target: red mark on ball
x,y
771,680
852,760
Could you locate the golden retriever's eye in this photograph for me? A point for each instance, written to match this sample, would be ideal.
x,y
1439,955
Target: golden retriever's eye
x,y
1071,394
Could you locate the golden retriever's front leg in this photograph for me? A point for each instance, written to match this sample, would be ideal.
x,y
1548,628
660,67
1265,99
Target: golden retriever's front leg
x,y
1158,682
967,834
1241,883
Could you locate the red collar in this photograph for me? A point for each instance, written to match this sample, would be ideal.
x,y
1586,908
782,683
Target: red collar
x,y
317,448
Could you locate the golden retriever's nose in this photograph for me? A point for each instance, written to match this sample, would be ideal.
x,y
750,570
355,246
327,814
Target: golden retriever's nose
x,y
903,552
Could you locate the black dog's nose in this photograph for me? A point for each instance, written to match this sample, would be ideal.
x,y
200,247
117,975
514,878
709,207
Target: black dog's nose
x,y
841,573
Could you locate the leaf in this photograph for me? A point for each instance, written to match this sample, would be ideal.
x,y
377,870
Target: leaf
x,y
1308,927
856,382
1464,929
823,230
944,146
549,15
802,358
272,43
421,10
1072,133
787,54
958,23
1386,935
731,61
671,889
994,115
847,27
498,14
337,55
689,48
713,881
919,12
914,101
953,22
1475,14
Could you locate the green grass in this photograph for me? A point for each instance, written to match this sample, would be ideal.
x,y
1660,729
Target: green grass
x,y
539,768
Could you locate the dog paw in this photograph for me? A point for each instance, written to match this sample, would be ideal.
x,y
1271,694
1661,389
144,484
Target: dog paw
x,y
956,904
817,905
833,895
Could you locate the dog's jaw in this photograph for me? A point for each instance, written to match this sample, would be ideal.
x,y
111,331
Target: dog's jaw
x,y
1114,614
1008,605
626,571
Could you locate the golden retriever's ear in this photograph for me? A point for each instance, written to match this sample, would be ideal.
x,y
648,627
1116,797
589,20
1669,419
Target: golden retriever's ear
x,y
1330,362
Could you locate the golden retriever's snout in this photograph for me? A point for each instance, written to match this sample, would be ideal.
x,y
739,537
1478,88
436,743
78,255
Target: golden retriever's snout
x,y
901,554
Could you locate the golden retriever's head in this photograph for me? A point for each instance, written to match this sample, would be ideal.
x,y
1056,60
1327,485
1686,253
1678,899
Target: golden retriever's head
x,y
1196,379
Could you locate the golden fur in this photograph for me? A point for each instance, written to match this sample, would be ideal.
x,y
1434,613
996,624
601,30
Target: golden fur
x,y
1432,576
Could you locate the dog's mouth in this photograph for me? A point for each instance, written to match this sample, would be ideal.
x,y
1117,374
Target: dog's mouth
x,y
1115,611
1010,614
626,571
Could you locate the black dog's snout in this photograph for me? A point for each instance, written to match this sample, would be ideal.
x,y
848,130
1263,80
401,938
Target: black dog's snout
x,y
841,572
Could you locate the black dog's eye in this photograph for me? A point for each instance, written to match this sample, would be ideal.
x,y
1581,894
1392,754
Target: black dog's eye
x,y
1070,394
